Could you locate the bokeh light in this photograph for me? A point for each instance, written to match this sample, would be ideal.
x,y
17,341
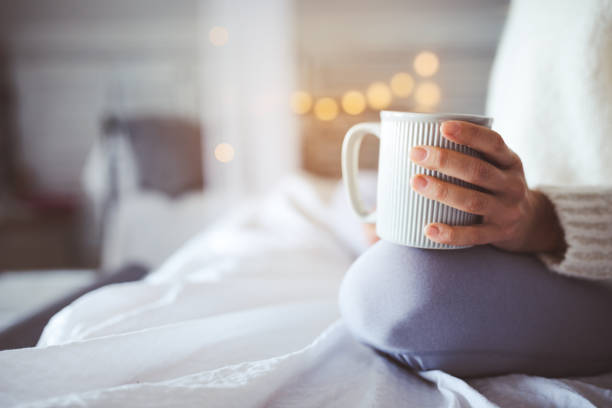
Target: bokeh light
x,y
353,102
402,84
379,95
326,109
427,94
224,152
301,102
218,36
426,63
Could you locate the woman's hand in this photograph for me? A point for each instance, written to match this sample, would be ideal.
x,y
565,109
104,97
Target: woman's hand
x,y
515,218
370,233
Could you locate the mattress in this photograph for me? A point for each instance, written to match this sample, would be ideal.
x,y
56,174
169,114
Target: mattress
x,y
245,315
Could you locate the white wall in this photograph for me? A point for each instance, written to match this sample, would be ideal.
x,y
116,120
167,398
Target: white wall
x,y
246,87
72,61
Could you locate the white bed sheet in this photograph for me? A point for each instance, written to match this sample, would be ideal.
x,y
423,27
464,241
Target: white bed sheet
x,y
246,315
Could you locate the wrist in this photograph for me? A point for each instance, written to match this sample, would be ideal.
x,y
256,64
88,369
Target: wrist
x,y
546,231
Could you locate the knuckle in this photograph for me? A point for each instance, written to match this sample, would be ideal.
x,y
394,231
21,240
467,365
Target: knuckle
x,y
441,158
518,188
441,191
450,236
498,143
517,161
477,203
480,171
477,236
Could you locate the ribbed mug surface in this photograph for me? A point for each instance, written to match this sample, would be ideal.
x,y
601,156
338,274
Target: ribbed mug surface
x,y
403,213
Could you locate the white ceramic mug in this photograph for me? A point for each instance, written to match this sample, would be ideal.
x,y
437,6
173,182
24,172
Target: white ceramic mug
x,y
401,213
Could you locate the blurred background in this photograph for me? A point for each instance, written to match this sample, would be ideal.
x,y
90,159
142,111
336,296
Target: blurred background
x,y
126,127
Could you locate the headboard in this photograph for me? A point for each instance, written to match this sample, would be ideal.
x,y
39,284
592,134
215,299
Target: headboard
x,y
444,48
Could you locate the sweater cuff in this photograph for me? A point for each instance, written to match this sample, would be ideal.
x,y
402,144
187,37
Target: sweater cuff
x,y
585,215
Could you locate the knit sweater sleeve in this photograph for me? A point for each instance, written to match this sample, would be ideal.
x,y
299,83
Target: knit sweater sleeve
x,y
585,214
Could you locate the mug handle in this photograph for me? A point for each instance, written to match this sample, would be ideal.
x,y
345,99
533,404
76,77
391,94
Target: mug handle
x,y
350,166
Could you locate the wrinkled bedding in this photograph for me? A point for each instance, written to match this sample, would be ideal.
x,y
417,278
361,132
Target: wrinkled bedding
x,y
245,315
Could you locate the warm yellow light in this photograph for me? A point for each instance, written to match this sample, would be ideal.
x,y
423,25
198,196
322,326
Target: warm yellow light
x,y
427,94
402,84
224,152
301,102
426,63
218,36
424,109
326,109
353,102
379,95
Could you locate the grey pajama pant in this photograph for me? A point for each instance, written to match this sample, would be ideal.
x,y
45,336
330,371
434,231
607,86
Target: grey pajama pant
x,y
477,312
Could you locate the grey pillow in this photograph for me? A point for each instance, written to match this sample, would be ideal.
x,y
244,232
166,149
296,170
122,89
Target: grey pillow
x,y
168,153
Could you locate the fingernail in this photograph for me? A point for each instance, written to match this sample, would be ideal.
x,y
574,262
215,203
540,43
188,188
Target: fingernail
x,y
419,182
418,154
450,128
432,231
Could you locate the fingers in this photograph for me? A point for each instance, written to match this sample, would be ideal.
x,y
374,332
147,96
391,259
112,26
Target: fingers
x,y
462,198
481,139
459,165
463,235
370,233
505,205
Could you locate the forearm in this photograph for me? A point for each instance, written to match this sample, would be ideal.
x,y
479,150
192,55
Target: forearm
x,y
584,215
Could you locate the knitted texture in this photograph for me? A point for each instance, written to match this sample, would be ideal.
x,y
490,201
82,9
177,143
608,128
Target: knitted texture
x,y
550,97
550,94
585,215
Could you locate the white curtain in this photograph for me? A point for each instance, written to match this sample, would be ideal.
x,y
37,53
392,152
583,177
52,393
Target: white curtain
x,y
246,86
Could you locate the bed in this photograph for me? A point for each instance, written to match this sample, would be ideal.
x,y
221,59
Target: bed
x,y
245,315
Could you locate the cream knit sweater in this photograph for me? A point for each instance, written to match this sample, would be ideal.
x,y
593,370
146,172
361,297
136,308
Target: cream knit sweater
x,y
551,99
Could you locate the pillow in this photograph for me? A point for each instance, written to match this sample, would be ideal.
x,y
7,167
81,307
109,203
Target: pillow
x,y
167,152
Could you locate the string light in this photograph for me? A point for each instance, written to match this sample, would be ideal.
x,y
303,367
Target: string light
x,y
353,102
427,94
402,84
426,63
224,152
218,36
301,102
326,109
379,95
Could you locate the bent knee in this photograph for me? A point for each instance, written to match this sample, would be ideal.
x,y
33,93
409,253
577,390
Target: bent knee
x,y
458,311
389,295
398,298
414,305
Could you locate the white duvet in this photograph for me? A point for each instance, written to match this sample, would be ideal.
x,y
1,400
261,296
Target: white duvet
x,y
245,315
